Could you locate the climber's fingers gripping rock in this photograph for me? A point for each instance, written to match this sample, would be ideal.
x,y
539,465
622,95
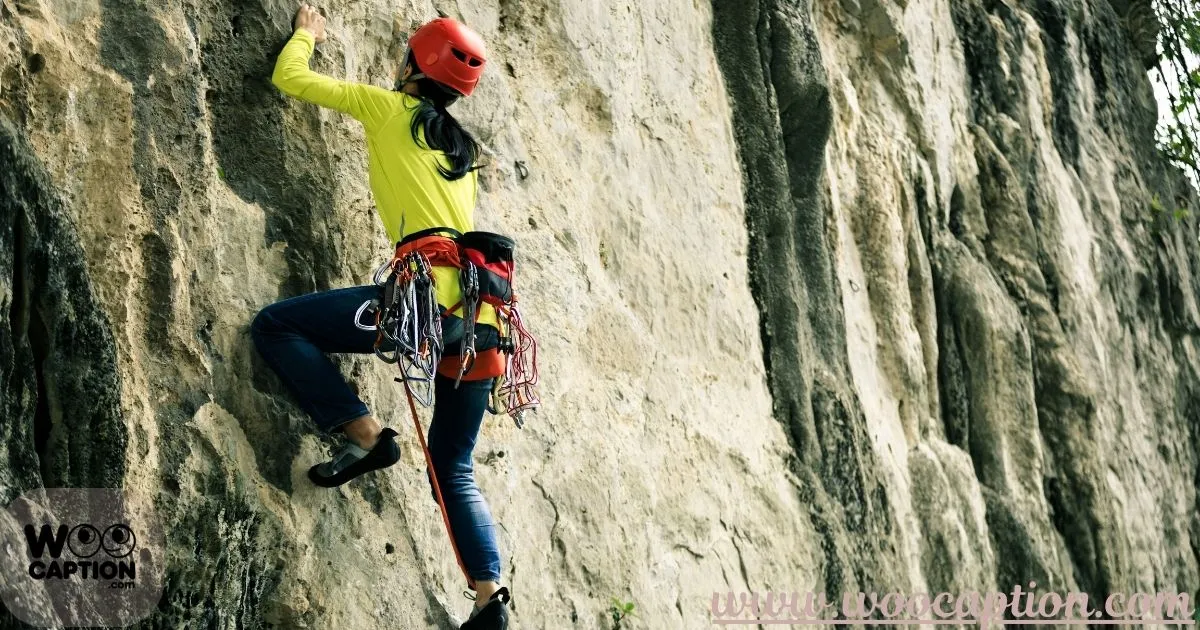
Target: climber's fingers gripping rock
x,y
311,20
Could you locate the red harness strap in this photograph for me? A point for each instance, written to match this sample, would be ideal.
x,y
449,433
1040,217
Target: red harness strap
x,y
440,250
488,364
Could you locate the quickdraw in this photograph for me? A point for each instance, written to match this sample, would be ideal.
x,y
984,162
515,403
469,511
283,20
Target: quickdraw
x,y
407,319
469,281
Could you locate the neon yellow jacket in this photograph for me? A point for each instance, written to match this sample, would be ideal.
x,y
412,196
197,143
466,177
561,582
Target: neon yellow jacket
x,y
410,194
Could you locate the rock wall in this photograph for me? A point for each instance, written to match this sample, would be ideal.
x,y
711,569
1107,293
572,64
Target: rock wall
x,y
958,218
832,295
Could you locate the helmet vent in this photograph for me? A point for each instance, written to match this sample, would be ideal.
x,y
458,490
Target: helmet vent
x,y
474,62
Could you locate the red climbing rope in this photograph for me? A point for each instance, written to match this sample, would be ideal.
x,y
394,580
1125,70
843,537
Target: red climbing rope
x,y
518,391
437,488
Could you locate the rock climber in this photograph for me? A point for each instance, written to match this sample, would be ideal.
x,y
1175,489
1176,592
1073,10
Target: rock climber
x,y
422,166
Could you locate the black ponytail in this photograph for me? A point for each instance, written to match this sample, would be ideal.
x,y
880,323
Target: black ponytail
x,y
442,131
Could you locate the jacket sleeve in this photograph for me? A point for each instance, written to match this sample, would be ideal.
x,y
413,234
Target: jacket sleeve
x,y
367,103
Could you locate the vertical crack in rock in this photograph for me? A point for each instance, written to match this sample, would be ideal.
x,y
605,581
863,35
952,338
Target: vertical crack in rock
x,y
951,374
43,422
23,380
769,56
1056,23
63,424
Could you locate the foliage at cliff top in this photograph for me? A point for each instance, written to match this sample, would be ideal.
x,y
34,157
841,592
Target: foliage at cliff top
x,y
1178,68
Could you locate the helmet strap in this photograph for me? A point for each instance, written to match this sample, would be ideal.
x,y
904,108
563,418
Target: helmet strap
x,y
408,61
416,76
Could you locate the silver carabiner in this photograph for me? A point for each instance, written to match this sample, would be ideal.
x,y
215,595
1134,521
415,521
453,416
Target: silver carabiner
x,y
372,305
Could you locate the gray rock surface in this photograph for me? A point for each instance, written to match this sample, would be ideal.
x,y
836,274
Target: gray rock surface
x,y
832,295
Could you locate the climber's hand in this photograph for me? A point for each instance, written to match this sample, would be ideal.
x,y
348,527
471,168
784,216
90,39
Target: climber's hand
x,y
312,21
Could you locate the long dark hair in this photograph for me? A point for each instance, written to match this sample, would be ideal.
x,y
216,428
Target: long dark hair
x,y
442,131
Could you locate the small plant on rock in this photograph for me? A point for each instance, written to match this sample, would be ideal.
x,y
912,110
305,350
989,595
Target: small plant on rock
x,y
620,612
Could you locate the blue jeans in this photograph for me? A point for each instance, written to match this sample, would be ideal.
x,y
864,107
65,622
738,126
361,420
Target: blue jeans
x,y
294,335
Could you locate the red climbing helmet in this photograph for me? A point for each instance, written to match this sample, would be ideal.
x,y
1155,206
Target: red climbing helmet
x,y
449,52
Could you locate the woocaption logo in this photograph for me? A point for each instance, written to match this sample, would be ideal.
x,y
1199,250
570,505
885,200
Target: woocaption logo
x,y
85,541
79,557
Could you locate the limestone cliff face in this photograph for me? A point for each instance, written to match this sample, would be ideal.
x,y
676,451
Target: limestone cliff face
x,y
977,325
832,294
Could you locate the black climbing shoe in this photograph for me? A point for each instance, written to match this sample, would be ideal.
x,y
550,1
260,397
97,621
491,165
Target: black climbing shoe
x,y
352,460
493,616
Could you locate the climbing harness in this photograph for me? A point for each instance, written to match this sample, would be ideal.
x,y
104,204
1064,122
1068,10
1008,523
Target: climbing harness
x,y
406,318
